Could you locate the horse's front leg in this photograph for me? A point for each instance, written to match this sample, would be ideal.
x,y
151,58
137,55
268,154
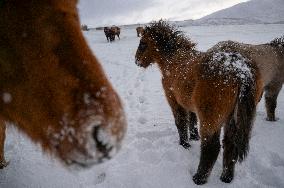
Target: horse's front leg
x,y
193,131
3,162
271,93
210,147
181,121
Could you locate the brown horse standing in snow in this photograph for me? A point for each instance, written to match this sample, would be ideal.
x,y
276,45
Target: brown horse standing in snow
x,y
109,34
270,61
51,85
220,88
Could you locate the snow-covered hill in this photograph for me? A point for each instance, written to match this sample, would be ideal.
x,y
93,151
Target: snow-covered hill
x,y
251,12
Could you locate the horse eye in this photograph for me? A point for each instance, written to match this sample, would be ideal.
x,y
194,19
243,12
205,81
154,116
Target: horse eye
x,y
142,46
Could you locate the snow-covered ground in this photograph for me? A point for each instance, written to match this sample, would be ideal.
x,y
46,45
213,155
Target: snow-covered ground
x,y
151,156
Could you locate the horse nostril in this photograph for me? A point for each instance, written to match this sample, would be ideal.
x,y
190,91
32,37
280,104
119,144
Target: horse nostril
x,y
137,62
102,146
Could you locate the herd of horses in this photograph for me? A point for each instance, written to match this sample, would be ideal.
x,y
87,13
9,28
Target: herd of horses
x,y
54,90
111,32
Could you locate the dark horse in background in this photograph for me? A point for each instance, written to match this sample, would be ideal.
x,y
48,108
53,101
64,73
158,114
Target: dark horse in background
x,y
269,58
218,88
52,87
110,36
116,31
111,32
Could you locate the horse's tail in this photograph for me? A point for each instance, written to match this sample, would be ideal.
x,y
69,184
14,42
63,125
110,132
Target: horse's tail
x,y
243,118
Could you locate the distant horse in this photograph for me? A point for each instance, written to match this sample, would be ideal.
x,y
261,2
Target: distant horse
x,y
110,36
270,61
116,31
84,27
139,31
51,85
220,88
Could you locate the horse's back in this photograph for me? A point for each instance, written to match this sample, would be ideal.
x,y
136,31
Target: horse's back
x,y
269,61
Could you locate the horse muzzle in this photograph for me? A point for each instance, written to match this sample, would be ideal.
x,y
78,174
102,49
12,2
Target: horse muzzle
x,y
101,144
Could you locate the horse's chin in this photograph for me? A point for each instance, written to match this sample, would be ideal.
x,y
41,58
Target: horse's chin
x,y
81,161
100,146
96,142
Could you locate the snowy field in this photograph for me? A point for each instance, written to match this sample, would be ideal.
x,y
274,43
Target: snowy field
x,y
151,156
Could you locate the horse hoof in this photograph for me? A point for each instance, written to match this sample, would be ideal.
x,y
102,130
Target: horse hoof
x,y
271,119
186,145
227,178
199,179
3,164
194,137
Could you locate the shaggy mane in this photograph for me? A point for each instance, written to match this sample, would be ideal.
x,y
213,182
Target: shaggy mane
x,y
169,39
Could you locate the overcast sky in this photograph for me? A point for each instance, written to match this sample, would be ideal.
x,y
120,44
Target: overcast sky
x,y
110,12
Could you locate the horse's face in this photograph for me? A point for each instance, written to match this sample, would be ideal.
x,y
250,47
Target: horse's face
x,y
146,53
53,88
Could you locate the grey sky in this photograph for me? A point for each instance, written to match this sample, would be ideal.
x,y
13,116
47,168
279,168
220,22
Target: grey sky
x,y
109,12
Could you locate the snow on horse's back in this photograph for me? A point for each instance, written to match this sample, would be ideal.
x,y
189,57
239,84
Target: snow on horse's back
x,y
269,58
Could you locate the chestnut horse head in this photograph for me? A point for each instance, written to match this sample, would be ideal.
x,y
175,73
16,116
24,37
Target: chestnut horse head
x,y
160,41
51,85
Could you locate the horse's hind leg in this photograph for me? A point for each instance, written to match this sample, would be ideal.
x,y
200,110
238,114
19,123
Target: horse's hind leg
x,y
230,154
193,126
3,162
210,147
271,93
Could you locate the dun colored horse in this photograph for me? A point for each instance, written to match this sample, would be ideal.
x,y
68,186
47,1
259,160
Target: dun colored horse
x,y
270,61
139,31
51,85
220,88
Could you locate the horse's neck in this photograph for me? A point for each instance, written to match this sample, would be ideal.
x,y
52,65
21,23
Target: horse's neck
x,y
176,64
